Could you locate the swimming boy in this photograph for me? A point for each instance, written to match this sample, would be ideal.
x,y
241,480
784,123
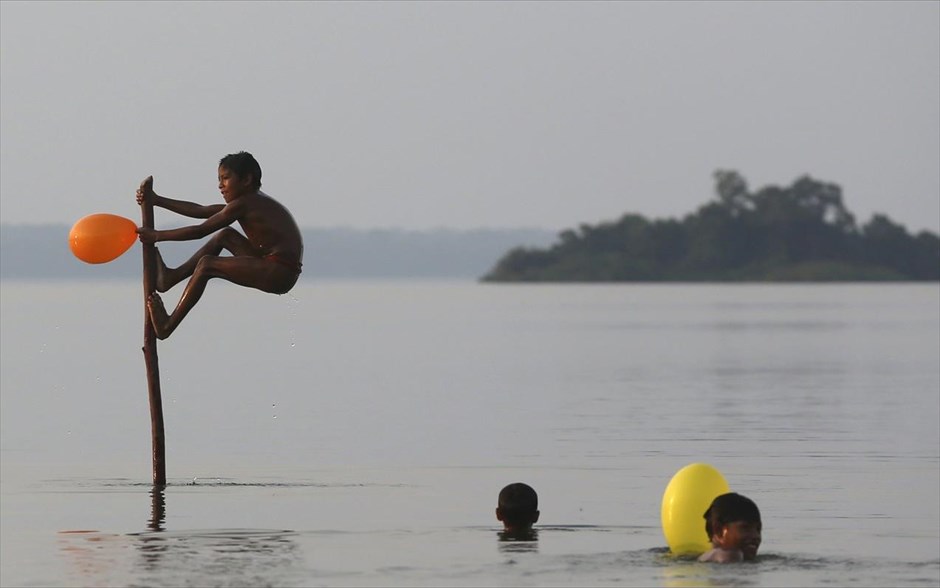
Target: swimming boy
x,y
518,510
267,257
733,524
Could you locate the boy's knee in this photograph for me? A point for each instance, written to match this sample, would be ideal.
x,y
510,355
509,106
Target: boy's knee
x,y
225,235
204,265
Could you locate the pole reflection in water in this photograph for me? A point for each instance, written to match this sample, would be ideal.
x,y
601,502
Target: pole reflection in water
x,y
152,547
213,557
157,508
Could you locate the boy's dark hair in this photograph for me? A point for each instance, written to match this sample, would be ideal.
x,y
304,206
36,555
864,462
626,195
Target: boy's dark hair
x,y
243,164
518,502
729,508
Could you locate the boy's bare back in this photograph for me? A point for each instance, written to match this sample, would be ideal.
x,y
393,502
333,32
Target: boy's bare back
x,y
270,227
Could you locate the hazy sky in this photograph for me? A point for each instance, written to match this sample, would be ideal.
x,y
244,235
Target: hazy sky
x,y
483,114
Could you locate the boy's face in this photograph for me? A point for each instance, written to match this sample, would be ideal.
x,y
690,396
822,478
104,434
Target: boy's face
x,y
740,535
231,185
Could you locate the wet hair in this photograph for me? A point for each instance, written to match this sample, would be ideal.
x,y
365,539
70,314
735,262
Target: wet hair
x,y
518,503
729,508
243,164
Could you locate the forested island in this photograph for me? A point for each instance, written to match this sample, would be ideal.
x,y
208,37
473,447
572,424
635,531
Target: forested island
x,y
802,232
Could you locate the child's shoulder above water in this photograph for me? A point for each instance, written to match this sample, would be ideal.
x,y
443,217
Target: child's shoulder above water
x,y
718,555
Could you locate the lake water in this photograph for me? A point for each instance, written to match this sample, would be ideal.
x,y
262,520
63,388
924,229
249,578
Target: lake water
x,y
358,433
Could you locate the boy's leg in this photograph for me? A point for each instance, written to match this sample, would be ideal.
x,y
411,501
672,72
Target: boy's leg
x,y
253,272
228,239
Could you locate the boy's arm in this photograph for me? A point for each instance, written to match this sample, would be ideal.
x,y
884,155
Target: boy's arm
x,y
226,216
190,209
146,194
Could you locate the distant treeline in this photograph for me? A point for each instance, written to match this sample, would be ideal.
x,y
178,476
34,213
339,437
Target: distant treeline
x,y
41,252
799,233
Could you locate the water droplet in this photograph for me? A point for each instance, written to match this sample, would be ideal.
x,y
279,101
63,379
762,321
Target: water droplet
x,y
292,308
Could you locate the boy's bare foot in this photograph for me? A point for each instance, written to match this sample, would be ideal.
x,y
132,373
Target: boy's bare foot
x,y
162,270
158,316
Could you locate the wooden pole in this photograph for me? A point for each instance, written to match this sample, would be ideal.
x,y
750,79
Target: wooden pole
x,y
150,355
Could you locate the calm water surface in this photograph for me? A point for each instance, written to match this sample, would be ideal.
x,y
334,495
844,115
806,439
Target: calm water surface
x,y
357,433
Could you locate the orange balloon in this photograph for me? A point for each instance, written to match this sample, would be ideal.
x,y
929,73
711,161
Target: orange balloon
x,y
100,238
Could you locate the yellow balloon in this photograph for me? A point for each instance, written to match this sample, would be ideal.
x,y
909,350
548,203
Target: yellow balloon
x,y
100,238
687,497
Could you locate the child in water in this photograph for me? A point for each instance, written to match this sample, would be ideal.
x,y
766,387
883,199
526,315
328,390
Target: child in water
x,y
733,524
518,510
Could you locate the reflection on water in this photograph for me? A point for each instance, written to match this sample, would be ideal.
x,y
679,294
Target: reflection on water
x,y
518,542
151,548
157,508
821,401
687,574
210,557
92,556
218,557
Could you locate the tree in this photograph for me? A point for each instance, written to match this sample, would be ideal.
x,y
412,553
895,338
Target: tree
x,y
731,189
802,231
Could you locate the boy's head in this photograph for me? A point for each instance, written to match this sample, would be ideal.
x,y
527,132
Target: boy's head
x,y
733,522
243,165
518,507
